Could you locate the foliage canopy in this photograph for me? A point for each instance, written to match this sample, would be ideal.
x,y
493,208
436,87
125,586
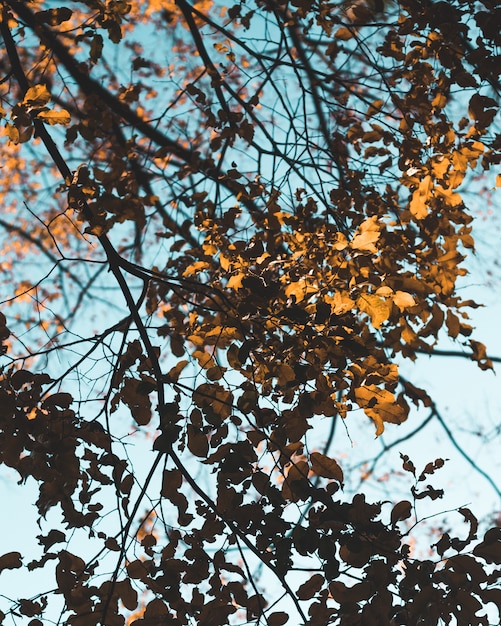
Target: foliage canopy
x,y
224,227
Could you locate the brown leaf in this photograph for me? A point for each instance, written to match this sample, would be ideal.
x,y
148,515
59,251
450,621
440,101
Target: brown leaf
x,y
277,619
54,536
322,465
128,594
11,560
197,441
401,511
307,590
54,17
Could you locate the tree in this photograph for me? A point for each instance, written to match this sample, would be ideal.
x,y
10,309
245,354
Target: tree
x,y
224,228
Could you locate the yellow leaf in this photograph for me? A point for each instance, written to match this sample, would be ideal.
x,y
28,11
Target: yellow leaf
x,y
408,335
384,291
451,198
205,360
370,225
209,249
369,232
33,413
54,117
418,205
37,96
498,180
340,303
380,406
235,281
299,289
403,300
282,217
440,166
224,262
365,241
341,242
12,133
439,101
196,267
457,174
378,309
366,399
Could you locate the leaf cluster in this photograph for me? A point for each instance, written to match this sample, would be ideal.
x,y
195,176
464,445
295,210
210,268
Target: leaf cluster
x,y
237,222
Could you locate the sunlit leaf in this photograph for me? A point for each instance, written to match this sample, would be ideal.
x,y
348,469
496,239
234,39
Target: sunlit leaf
x,y
378,309
403,300
54,117
419,204
37,96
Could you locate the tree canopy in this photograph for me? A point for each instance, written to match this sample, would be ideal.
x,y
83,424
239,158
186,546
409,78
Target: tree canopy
x,y
224,229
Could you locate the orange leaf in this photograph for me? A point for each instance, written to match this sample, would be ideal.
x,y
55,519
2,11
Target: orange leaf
x,y
55,117
36,96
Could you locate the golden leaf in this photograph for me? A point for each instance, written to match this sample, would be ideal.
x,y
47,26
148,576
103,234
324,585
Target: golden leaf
x,y
380,406
403,300
37,96
365,241
419,201
12,133
204,359
300,289
340,303
235,281
441,165
384,291
374,108
224,262
341,242
55,117
378,309
196,267
369,232
451,198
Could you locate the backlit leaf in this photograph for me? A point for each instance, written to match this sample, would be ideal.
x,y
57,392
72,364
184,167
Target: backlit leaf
x,y
322,465
378,309
420,198
54,117
403,300
368,235
37,96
